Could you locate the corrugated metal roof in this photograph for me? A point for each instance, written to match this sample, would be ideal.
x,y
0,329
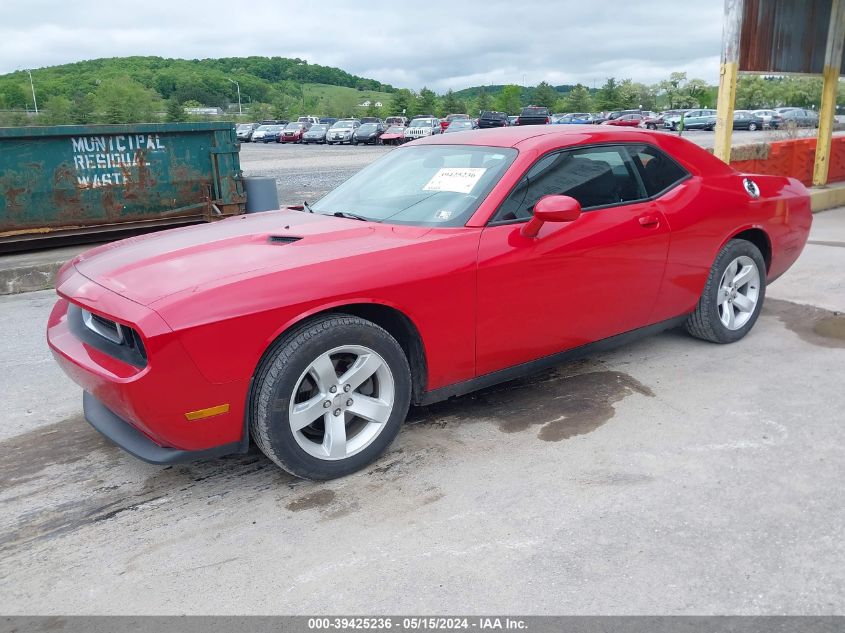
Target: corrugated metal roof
x,y
784,36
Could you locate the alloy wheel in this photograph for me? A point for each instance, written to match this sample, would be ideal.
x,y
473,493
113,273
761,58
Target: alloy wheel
x,y
341,402
739,292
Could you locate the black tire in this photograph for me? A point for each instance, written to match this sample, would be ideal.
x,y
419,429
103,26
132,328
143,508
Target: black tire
x,y
651,126
704,322
280,370
752,126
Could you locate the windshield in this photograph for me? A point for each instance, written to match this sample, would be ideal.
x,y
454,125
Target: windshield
x,y
454,126
293,126
421,123
319,128
395,129
342,125
367,127
427,185
244,126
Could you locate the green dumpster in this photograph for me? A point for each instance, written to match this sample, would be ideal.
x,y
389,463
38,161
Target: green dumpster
x,y
75,182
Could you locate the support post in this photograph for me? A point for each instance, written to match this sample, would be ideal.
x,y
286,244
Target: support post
x,y
728,71
832,64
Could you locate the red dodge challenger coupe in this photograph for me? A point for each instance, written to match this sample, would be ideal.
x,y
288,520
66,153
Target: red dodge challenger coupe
x,y
448,265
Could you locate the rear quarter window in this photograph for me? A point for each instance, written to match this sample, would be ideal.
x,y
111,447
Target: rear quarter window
x,y
659,172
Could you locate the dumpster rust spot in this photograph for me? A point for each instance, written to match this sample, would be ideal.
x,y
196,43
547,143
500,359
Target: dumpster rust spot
x,y
562,403
12,197
66,194
191,185
814,325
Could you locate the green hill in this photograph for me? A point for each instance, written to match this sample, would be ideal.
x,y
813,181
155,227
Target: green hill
x,y
90,90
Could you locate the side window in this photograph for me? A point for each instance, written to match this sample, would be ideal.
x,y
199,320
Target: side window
x,y
659,172
595,177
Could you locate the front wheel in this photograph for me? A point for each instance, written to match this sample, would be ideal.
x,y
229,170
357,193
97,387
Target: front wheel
x,y
330,396
733,294
752,127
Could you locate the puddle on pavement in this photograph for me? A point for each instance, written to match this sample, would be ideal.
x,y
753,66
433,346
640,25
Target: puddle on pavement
x,y
65,442
814,325
562,402
316,499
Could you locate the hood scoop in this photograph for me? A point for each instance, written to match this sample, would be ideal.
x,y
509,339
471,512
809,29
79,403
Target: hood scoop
x,y
282,239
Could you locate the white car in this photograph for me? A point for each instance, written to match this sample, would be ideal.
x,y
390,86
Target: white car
x,y
420,128
771,119
342,131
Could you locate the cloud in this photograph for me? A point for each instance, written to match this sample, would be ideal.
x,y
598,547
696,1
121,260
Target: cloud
x,y
436,44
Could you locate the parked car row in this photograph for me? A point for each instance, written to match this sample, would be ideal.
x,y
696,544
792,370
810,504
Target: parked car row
x,y
366,130
395,130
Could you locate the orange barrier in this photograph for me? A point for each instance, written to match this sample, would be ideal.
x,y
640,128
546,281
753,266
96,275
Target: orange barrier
x,y
795,158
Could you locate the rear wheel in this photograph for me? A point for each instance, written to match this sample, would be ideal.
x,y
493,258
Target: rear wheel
x,y
733,295
329,397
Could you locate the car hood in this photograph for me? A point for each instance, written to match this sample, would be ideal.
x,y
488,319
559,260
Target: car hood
x,y
150,267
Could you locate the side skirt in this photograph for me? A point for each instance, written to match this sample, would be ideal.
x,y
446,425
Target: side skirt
x,y
524,369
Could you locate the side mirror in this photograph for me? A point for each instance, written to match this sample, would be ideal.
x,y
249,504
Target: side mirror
x,y
551,209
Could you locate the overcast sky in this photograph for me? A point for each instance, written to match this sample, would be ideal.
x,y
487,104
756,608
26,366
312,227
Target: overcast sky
x,y
408,44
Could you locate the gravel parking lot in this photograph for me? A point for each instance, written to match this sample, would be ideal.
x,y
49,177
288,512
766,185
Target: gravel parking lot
x,y
308,172
670,476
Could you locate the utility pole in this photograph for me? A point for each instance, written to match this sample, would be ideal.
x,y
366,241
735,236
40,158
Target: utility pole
x,y
238,86
32,85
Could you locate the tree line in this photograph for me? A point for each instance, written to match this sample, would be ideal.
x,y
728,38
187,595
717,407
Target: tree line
x,y
139,89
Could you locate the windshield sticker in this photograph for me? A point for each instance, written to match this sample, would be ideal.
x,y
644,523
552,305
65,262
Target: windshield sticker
x,y
442,215
455,179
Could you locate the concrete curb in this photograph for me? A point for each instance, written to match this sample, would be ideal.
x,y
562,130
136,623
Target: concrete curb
x,y
29,278
827,197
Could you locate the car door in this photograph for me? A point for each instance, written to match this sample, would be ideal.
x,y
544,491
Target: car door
x,y
692,119
576,282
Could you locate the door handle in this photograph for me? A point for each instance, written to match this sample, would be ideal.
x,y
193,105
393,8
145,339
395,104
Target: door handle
x,y
649,221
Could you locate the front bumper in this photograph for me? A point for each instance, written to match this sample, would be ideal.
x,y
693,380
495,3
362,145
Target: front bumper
x,y
154,398
130,439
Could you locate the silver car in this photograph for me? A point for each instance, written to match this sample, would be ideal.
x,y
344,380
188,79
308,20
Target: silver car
x,y
342,131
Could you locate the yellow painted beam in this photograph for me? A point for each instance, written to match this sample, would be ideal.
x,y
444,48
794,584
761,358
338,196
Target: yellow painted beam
x,y
725,110
826,118
832,63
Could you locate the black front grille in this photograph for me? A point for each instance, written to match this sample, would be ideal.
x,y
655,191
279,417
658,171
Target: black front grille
x,y
117,340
